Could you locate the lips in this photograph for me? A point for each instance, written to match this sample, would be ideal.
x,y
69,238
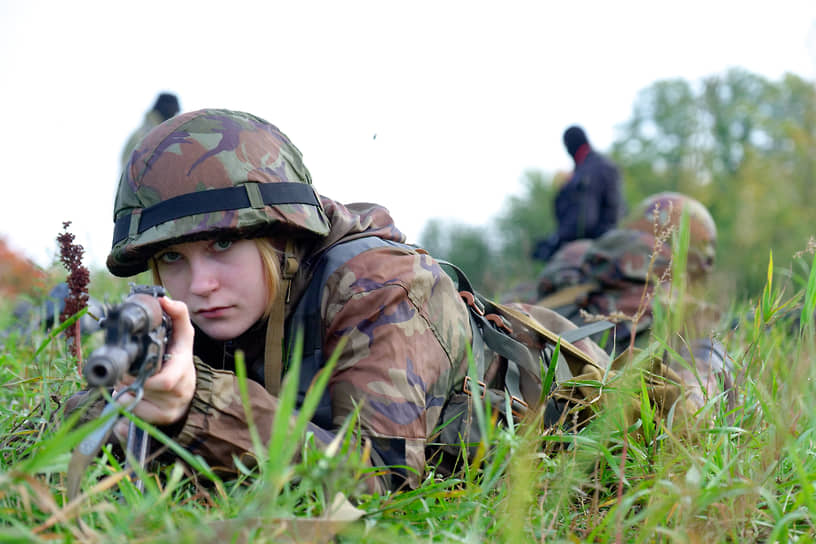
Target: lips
x,y
213,313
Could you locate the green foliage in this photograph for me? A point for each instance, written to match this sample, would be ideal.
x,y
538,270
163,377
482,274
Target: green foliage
x,y
809,306
498,256
746,476
741,144
466,246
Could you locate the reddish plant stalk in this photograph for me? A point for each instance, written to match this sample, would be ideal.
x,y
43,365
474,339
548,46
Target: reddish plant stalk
x,y
78,279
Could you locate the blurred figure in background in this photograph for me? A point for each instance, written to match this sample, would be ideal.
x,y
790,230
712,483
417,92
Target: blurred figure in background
x,y
42,313
165,107
589,203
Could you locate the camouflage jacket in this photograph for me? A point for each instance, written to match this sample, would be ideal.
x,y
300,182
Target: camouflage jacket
x,y
405,329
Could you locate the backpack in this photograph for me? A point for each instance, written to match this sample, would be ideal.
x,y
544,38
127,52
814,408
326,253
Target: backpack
x,y
515,357
512,352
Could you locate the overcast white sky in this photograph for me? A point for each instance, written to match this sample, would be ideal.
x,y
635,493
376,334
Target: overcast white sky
x,y
463,97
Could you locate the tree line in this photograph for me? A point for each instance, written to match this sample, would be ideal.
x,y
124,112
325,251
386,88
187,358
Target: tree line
x,y
745,146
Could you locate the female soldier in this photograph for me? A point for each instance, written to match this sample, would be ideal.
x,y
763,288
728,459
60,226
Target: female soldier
x,y
219,205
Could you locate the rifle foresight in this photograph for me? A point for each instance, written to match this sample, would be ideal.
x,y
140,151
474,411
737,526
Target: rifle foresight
x,y
136,335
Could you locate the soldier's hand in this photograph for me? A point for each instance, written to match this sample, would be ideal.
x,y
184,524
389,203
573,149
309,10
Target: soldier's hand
x,y
545,248
169,392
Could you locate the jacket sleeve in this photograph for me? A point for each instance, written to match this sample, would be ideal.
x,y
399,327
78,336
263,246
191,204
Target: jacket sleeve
x,y
594,203
216,427
402,331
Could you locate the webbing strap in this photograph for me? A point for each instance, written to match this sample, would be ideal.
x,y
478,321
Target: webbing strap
x,y
584,331
213,200
477,345
509,348
514,352
566,346
306,319
489,306
273,352
512,380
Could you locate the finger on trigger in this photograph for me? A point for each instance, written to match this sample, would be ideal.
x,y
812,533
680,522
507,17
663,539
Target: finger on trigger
x,y
120,429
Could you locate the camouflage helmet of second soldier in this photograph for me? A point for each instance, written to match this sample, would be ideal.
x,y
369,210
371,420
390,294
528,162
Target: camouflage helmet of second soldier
x,y
665,210
210,173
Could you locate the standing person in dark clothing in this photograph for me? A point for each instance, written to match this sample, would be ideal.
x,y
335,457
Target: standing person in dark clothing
x,y
166,106
590,203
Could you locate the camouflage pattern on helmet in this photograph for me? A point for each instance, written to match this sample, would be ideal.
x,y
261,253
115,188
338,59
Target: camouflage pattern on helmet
x,y
665,210
623,256
201,151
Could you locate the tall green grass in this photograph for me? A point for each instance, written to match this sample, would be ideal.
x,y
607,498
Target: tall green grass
x,y
745,475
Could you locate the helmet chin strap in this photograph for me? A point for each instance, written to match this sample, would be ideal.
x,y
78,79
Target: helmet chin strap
x,y
273,353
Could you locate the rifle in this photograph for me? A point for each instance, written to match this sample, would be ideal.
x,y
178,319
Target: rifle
x,y
137,332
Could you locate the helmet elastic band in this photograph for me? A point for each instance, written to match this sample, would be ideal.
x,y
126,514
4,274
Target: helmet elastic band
x,y
248,195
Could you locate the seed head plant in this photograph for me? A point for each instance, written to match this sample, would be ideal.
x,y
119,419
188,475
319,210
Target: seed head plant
x,y
78,279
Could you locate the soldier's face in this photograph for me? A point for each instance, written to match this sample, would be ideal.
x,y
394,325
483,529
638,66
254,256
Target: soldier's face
x,y
222,282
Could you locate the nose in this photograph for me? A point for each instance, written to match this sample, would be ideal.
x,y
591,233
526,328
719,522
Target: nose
x,y
203,277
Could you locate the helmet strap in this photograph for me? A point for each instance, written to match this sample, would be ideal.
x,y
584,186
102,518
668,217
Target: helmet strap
x,y
273,353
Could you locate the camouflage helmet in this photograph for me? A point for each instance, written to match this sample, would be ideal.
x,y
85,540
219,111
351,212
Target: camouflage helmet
x,y
210,173
666,209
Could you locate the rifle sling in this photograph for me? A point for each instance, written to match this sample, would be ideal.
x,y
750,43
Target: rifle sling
x,y
86,451
273,352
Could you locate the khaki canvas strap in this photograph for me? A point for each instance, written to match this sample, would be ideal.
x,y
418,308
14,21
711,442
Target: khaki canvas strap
x,y
568,295
566,347
273,353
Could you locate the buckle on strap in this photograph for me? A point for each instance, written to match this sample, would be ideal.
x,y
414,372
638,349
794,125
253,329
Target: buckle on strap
x,y
500,322
472,301
466,387
518,406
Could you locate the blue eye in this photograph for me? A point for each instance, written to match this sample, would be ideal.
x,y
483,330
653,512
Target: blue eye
x,y
169,257
222,245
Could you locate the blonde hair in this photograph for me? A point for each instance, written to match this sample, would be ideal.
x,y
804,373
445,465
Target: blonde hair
x,y
271,265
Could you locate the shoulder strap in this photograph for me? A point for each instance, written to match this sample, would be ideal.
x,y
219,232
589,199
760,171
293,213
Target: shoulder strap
x,y
306,320
567,338
487,318
273,350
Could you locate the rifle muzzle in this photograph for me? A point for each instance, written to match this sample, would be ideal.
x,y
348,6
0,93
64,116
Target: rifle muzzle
x,y
108,364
